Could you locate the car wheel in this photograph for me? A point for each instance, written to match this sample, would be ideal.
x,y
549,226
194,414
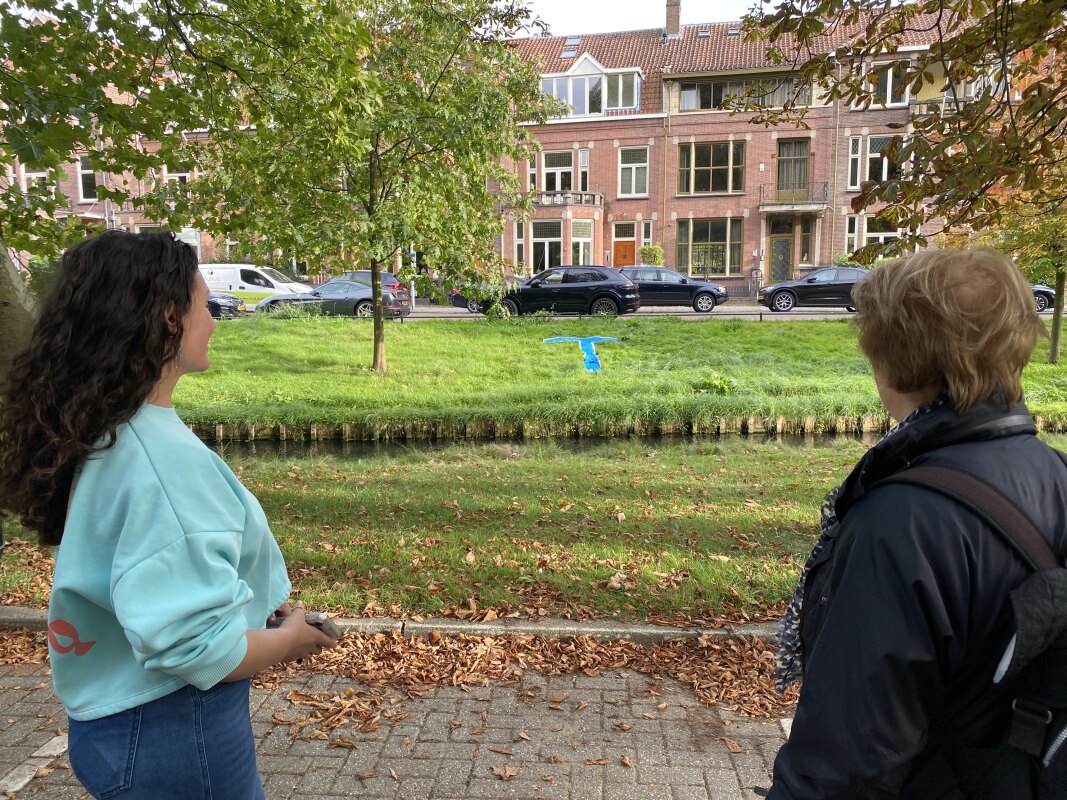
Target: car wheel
x,y
704,303
783,301
473,307
604,307
364,308
510,306
1040,302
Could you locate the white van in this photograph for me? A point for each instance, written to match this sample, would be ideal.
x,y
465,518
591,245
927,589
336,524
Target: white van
x,y
249,278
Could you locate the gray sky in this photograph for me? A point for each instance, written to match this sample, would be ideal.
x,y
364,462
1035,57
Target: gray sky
x,y
604,16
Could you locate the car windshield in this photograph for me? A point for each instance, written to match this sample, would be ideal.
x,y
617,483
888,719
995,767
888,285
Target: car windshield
x,y
273,274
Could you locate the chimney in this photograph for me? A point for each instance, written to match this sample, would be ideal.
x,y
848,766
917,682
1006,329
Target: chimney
x,y
674,18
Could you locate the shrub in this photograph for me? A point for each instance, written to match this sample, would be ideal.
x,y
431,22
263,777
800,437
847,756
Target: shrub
x,y
652,254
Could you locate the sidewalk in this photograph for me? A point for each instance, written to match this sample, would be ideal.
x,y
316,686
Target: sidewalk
x,y
619,735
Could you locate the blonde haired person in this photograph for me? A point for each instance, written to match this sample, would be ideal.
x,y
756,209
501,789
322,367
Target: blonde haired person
x,y
902,612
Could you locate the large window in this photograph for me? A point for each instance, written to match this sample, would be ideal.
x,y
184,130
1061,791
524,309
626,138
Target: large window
x,y
558,171
706,167
710,246
862,230
793,157
873,158
34,178
771,92
633,171
585,94
547,245
624,90
87,180
886,84
581,241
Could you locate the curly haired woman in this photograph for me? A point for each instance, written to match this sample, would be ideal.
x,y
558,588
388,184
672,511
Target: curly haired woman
x,y
166,572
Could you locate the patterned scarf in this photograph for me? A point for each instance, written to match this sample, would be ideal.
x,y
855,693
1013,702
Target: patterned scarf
x,y
789,661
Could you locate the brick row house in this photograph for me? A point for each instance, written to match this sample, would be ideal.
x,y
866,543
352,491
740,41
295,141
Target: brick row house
x,y
649,156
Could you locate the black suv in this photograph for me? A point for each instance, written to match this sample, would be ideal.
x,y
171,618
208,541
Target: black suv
x,y
573,290
659,286
823,287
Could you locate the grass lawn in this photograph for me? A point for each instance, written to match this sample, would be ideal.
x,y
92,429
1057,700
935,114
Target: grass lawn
x,y
622,528
456,379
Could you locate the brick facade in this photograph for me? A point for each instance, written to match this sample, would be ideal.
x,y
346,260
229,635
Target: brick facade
x,y
798,229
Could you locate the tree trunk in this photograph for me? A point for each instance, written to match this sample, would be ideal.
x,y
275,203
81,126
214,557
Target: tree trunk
x,y
1057,319
18,310
379,321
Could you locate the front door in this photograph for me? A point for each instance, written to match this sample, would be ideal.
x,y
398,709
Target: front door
x,y
624,254
781,241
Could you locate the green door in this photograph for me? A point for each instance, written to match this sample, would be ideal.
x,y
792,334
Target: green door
x,y
781,258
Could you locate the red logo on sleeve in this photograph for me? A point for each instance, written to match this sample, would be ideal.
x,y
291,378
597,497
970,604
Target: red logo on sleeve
x,y
61,627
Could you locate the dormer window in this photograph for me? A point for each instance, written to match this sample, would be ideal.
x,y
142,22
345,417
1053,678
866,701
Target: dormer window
x,y
623,90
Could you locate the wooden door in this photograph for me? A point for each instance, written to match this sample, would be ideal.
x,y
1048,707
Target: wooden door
x,y
624,254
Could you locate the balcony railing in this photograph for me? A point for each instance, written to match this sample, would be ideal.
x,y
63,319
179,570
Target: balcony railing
x,y
815,193
568,198
941,106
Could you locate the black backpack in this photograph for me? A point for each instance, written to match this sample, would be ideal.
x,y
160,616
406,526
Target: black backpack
x,y
1030,760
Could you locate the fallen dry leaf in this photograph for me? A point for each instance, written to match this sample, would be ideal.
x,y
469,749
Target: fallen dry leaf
x,y
505,773
502,750
731,745
625,761
596,762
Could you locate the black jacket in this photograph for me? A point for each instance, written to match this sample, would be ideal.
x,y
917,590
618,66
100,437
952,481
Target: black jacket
x,y
907,613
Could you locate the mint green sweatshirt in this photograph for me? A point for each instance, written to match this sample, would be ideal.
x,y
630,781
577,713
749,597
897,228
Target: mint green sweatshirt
x,y
166,561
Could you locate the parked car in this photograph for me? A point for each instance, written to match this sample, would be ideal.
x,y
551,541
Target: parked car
x,y
250,278
389,280
224,306
1044,296
344,298
573,290
459,298
823,287
659,286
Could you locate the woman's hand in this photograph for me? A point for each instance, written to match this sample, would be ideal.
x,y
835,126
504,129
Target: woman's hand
x,y
293,639
305,640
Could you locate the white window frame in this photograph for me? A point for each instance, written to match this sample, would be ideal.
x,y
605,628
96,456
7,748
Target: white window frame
x,y
856,235
614,84
172,176
633,171
564,88
878,66
559,172
28,177
531,174
885,164
520,245
855,163
83,170
544,242
583,170
646,232
584,244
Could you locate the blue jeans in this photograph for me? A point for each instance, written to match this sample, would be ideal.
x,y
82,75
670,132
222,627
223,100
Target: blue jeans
x,y
189,745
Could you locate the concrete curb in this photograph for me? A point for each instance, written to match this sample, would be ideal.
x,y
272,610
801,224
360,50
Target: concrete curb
x,y
609,630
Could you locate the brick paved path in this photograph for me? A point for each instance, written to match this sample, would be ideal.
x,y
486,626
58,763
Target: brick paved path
x,y
562,738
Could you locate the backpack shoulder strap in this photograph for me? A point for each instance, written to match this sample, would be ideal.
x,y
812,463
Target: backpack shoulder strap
x,y
1004,516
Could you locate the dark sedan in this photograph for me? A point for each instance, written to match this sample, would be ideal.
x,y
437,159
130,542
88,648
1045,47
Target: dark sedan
x,y
1044,296
224,306
573,290
823,287
665,287
342,298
